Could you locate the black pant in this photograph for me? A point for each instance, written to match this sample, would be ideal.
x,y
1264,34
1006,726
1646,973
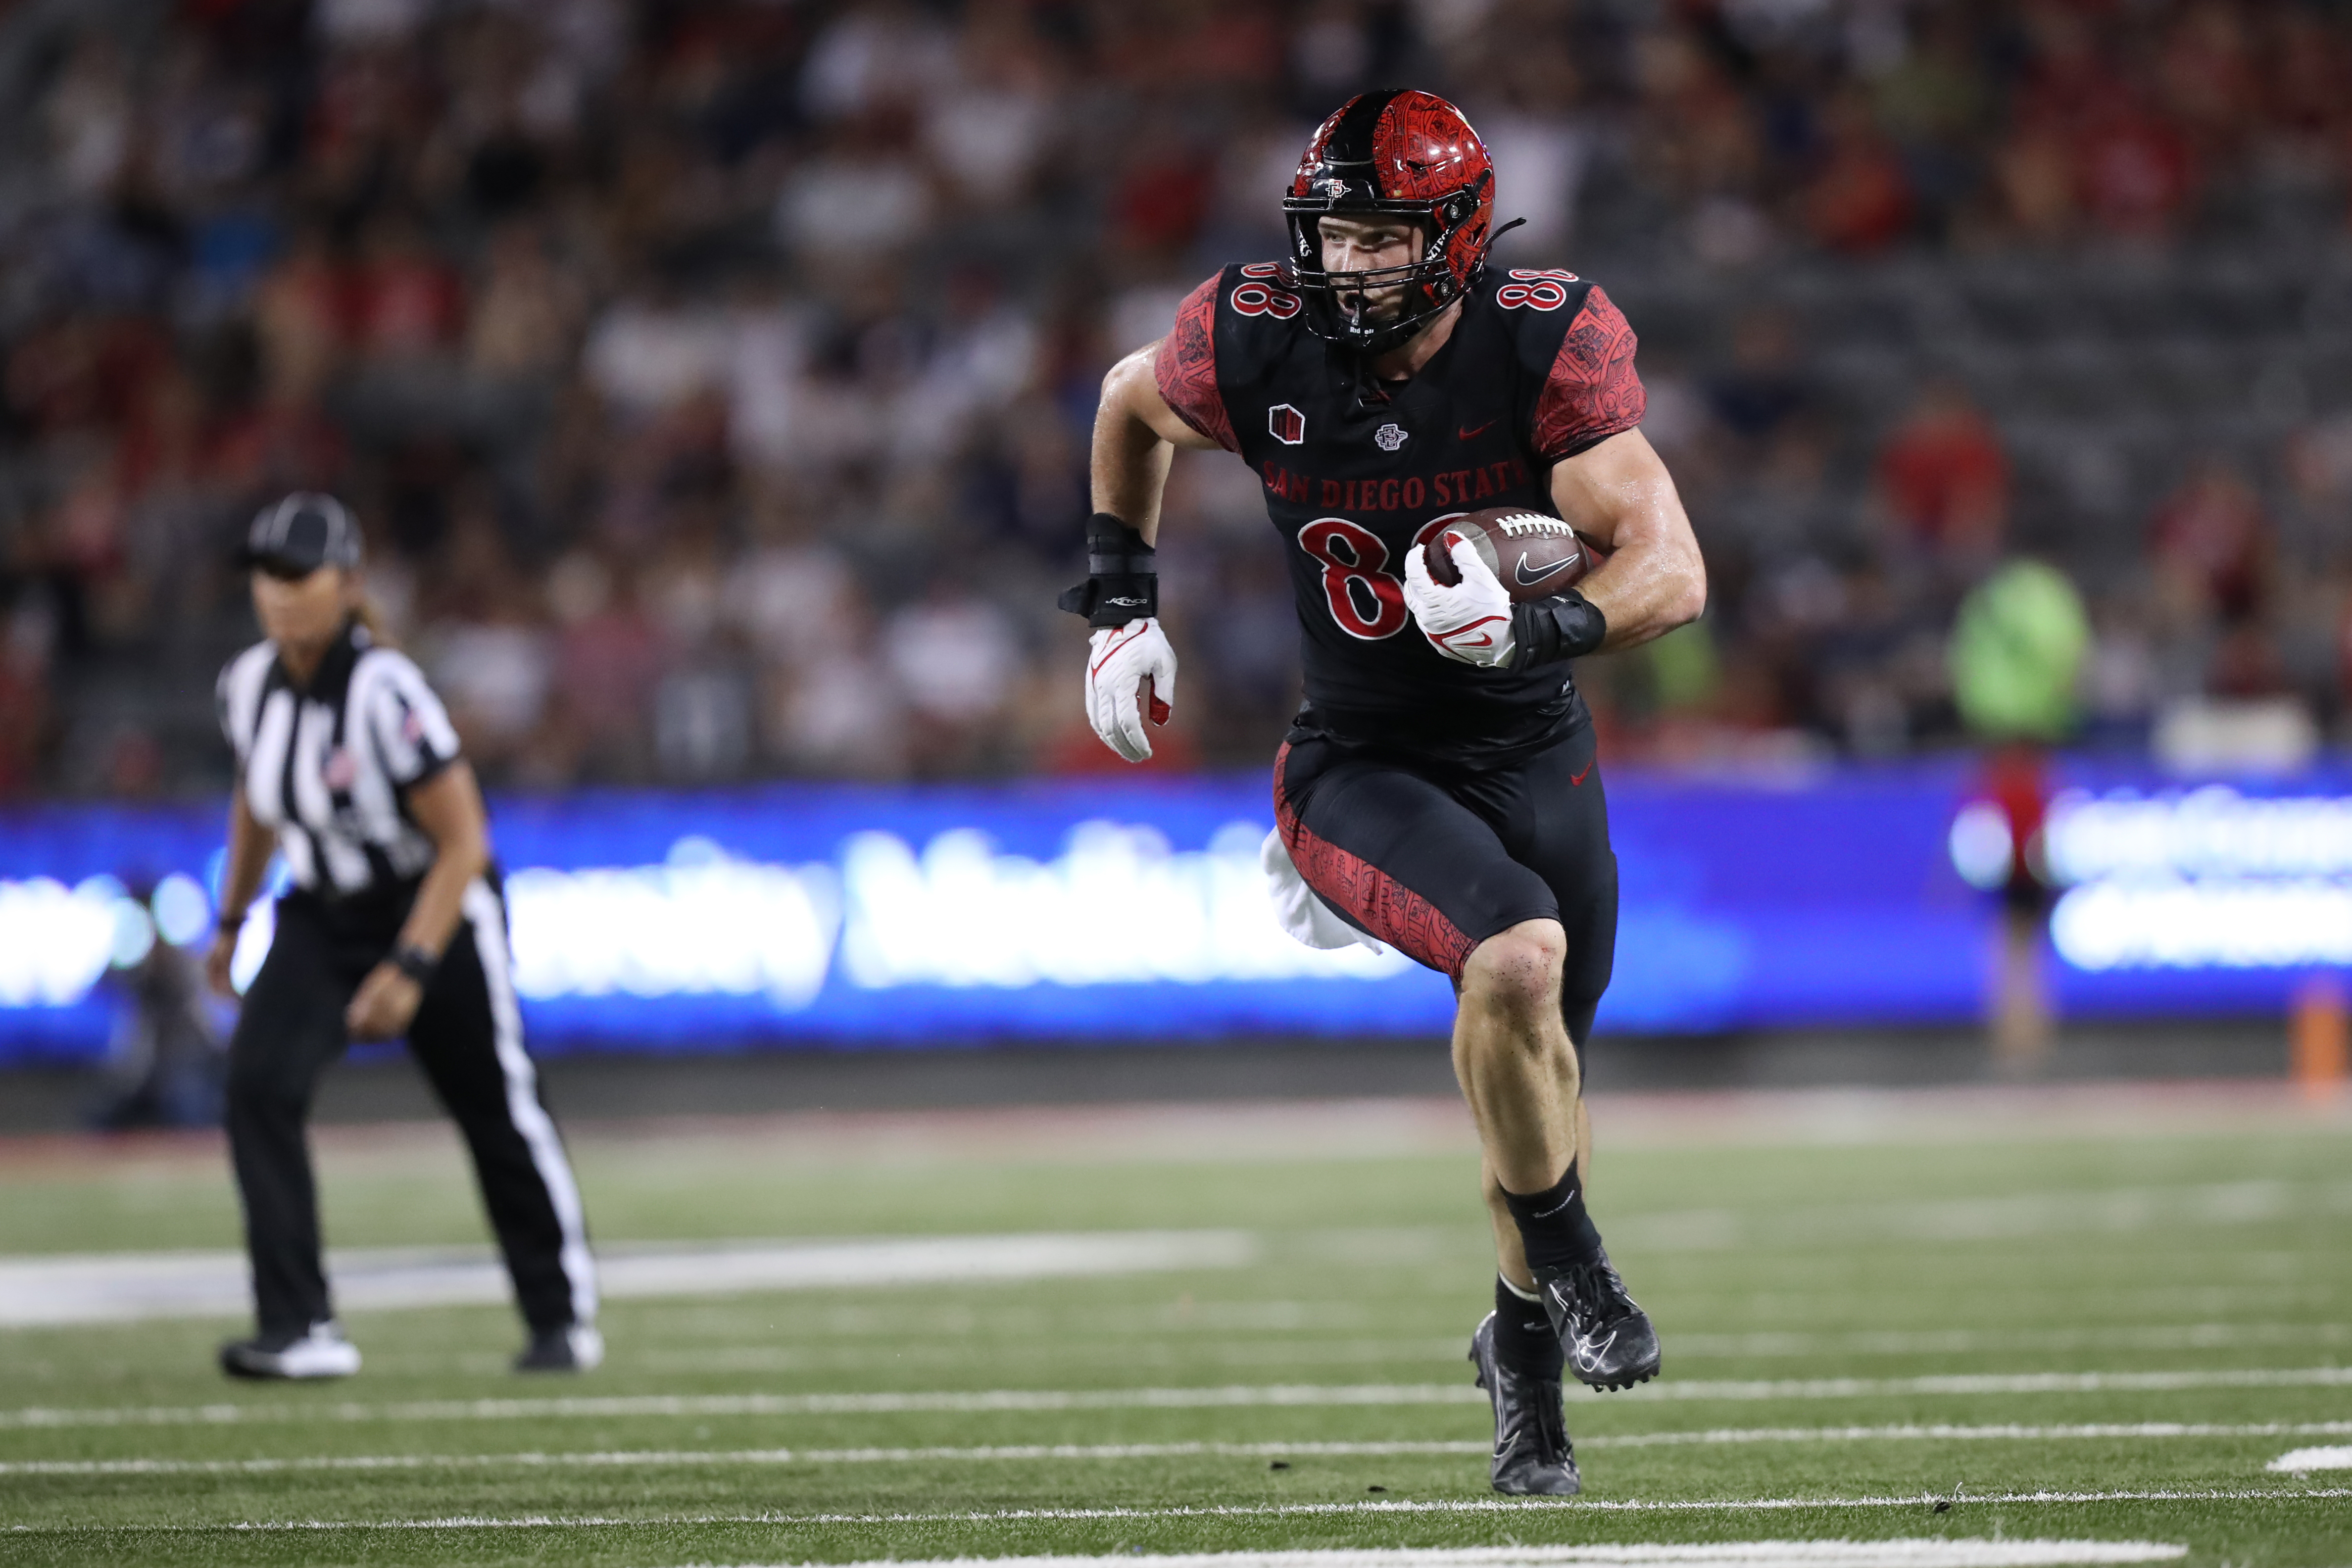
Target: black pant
x,y
1433,858
467,1037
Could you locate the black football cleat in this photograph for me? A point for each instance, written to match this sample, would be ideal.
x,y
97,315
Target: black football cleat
x,y
1609,1341
576,1347
1533,1456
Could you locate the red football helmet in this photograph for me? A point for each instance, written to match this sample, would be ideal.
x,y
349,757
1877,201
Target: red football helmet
x,y
1398,152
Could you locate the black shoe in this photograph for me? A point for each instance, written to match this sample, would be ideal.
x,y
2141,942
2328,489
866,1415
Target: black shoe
x,y
576,1347
1608,1341
1533,1456
319,1351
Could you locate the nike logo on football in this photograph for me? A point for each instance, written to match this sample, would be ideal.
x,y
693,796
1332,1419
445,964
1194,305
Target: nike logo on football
x,y
1465,432
1526,577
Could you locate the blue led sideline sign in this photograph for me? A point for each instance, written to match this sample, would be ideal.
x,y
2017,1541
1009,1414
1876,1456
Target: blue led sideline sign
x,y
848,916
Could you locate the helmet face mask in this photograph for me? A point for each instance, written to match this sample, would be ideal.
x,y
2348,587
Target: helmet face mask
x,y
1369,298
1406,156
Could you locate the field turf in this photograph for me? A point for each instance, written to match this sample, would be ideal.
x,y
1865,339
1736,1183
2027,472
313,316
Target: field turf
x,y
1977,1318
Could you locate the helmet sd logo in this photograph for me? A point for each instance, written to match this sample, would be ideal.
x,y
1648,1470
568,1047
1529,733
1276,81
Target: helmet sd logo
x,y
1335,189
1285,424
1389,437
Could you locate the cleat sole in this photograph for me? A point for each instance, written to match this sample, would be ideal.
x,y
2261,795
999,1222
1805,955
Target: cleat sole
x,y
1619,1385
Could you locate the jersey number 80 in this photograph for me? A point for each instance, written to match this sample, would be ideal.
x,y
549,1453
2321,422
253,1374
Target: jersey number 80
x,y
1366,598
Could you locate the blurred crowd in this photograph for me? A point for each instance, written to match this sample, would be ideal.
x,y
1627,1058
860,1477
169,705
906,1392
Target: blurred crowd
x,y
713,379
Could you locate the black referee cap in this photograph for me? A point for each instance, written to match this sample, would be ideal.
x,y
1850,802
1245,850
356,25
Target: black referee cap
x,y
295,536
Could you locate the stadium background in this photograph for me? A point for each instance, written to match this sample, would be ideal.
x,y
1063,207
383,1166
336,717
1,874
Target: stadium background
x,y
653,342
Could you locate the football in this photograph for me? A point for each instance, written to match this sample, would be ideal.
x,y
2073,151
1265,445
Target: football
x,y
1534,555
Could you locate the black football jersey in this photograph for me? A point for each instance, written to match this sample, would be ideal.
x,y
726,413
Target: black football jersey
x,y
1540,367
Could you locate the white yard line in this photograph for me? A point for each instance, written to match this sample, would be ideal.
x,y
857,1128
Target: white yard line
x,y
2058,1211
604,1459
1035,1451
2010,1433
1932,1552
988,1401
2301,1461
97,1288
1958,1342
1227,1511
1287,1346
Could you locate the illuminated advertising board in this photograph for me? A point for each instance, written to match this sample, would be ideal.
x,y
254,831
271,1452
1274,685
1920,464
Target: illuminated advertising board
x,y
1098,910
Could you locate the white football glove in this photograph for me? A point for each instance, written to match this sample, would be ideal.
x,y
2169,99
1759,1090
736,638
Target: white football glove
x,y
1122,661
1470,622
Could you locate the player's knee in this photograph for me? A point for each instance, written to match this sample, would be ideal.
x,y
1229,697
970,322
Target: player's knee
x,y
1517,970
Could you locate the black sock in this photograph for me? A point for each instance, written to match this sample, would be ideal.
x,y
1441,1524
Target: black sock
x,y
1524,1339
1553,1225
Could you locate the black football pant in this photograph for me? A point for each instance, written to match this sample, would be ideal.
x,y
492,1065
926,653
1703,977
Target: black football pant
x,y
1433,858
467,1036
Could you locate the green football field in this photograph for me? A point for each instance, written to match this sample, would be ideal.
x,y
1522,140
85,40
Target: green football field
x,y
1998,1328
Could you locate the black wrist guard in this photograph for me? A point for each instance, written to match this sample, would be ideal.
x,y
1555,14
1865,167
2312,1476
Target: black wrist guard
x,y
1123,577
415,963
1565,626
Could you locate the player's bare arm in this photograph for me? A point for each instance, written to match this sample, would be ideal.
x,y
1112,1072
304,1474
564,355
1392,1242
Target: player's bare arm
x,y
1136,437
1130,668
1619,494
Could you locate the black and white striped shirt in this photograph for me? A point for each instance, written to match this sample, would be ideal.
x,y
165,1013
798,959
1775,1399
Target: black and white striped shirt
x,y
325,768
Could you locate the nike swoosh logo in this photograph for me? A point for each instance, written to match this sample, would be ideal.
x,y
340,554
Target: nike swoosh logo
x,y
1587,1354
1575,779
1459,635
1526,578
1117,643
1464,432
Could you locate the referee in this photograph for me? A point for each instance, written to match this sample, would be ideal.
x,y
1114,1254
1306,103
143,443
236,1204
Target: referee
x,y
347,766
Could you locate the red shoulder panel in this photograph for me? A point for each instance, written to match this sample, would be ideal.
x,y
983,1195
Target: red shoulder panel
x,y
1187,366
1593,391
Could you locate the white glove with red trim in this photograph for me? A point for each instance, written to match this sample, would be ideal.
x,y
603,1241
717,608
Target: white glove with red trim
x,y
1470,622
1121,662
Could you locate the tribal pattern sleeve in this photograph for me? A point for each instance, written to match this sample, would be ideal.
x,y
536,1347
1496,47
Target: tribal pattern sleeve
x,y
1186,367
1593,391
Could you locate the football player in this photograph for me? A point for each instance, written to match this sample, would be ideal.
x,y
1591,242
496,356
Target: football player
x,y
1438,788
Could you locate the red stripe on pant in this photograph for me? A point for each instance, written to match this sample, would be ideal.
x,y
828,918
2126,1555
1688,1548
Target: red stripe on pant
x,y
1368,895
